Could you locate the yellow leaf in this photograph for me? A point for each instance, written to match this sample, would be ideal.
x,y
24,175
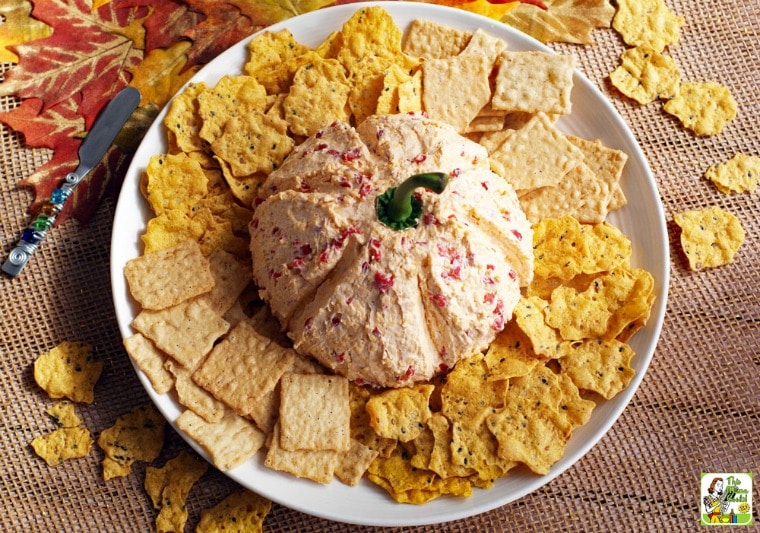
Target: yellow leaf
x,y
487,9
569,21
97,4
18,28
267,12
160,74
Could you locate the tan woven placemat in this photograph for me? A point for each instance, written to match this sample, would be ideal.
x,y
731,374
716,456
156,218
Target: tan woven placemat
x,y
697,410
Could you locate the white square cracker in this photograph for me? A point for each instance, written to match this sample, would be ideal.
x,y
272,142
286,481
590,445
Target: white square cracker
x,y
167,277
536,155
431,40
314,412
229,442
186,331
533,82
243,367
317,465
150,360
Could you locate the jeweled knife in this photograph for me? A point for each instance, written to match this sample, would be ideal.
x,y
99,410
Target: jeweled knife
x,y
95,145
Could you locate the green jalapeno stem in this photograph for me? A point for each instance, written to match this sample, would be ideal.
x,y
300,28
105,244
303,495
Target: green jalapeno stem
x,y
397,207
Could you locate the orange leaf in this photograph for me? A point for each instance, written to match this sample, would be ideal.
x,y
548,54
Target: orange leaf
x,y
482,7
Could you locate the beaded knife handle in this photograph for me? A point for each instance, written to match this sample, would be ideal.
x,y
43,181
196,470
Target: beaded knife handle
x,y
108,124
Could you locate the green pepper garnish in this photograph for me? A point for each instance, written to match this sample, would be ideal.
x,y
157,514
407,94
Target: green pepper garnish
x,y
397,208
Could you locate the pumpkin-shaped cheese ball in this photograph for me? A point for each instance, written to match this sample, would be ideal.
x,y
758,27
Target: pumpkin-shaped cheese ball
x,y
390,305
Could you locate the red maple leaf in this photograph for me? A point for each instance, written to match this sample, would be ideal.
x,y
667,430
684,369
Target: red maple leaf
x,y
167,21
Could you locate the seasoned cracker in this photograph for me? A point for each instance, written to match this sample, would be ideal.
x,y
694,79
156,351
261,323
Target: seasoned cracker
x,y
182,118
710,237
243,508
534,82
135,436
229,442
174,181
530,315
186,331
703,107
232,96
64,414
400,413
162,279
599,366
68,370
647,22
738,174
168,487
317,97
63,444
273,59
253,143
645,75
314,412
244,352
151,361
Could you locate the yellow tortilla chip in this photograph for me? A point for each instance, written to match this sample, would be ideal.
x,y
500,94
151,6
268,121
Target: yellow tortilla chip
x,y
68,370
242,510
63,444
174,182
559,248
597,365
274,58
168,487
710,237
232,96
135,436
530,317
648,22
738,174
400,413
64,414
182,118
703,107
317,97
645,75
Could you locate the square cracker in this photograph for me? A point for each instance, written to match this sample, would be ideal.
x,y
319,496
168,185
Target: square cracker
x,y
317,465
354,463
194,397
314,412
431,40
230,278
537,155
243,368
186,331
229,442
161,279
151,361
533,82
456,89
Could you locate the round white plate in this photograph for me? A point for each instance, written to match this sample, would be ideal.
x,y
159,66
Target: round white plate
x,y
593,117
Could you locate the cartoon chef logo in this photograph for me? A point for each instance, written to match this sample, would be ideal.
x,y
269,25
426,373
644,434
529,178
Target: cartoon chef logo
x,y
726,499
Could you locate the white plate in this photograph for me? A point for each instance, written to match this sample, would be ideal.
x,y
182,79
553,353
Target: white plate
x,y
593,117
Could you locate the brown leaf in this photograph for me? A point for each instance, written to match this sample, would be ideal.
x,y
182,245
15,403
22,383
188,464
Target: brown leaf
x,y
569,21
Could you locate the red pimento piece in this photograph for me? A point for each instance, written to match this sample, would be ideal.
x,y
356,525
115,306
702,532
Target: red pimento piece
x,y
340,358
517,235
498,323
488,298
406,376
296,264
512,274
343,182
429,219
376,332
335,321
383,282
351,155
365,189
443,367
420,158
484,184
304,187
455,173
439,299
307,325
333,152
375,254
255,223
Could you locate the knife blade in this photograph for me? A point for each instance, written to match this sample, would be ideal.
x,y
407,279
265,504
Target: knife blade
x,y
95,145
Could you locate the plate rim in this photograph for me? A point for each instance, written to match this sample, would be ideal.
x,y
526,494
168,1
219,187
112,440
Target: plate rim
x,y
463,507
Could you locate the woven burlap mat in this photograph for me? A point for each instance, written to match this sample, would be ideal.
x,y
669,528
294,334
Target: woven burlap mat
x,y
697,410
